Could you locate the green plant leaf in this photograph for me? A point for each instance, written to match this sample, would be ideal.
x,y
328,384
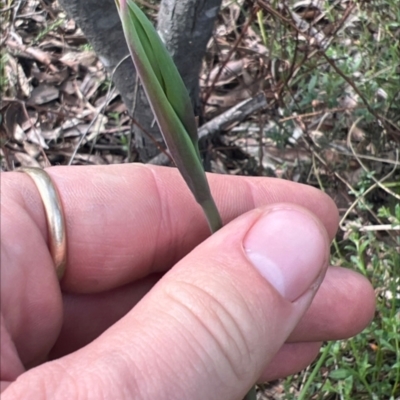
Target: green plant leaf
x,y
169,101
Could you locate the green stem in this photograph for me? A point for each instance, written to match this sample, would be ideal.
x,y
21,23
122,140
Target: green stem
x,y
314,372
251,395
212,214
260,16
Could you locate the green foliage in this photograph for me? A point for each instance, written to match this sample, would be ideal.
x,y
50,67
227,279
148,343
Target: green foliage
x,y
86,47
368,365
361,66
366,51
3,77
53,26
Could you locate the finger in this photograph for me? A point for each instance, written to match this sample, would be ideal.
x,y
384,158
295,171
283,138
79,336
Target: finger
x,y
343,306
290,359
31,303
79,332
87,316
210,326
126,221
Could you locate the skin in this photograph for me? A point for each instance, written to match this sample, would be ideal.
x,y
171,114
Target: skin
x,y
150,305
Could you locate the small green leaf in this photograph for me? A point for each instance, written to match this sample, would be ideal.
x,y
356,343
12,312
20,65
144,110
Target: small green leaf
x,y
340,374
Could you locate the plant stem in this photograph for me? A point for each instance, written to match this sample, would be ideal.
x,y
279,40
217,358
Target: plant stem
x,y
315,371
212,215
251,395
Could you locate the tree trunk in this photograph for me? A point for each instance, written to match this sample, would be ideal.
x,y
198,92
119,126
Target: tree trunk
x,y
185,25
101,25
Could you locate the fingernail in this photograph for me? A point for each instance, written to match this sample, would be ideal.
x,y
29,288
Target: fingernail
x,y
289,248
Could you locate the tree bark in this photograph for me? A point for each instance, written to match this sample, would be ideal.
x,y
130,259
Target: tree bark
x,y
185,25
101,25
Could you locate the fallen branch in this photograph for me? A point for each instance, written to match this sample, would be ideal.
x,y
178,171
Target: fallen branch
x,y
223,122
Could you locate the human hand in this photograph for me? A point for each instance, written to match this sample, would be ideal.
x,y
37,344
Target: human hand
x,y
149,307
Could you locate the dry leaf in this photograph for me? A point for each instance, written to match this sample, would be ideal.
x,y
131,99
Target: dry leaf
x,y
43,94
34,136
26,160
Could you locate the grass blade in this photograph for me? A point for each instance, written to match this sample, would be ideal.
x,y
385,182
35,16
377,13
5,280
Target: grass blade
x,y
169,101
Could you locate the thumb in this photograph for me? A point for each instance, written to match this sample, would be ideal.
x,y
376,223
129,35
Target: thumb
x,y
211,325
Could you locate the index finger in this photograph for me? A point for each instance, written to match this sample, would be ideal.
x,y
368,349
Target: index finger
x,y
127,221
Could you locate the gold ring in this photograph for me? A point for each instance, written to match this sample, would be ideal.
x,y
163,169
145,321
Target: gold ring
x,y
54,215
